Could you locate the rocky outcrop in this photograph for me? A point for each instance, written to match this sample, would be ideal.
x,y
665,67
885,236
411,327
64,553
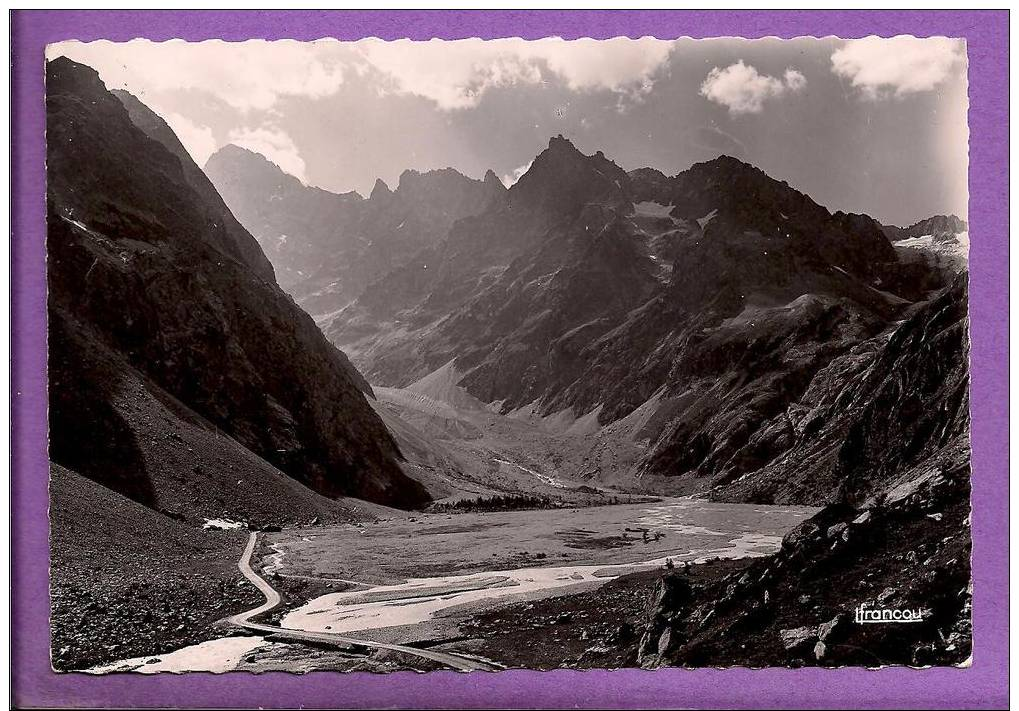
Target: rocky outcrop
x,y
888,432
874,412
155,291
901,551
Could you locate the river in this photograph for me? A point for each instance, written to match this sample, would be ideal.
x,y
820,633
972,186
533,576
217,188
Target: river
x,y
580,549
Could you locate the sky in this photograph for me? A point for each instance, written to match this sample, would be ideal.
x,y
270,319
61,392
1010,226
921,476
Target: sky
x,y
873,125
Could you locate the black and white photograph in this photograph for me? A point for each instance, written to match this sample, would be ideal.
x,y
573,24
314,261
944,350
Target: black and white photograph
x,y
474,355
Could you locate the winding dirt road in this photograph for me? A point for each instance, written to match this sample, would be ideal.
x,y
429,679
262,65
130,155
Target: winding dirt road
x,y
272,599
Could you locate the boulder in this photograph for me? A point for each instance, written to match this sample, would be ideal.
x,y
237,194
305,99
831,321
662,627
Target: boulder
x,y
924,655
665,642
831,629
837,530
623,633
797,638
799,535
820,650
671,592
863,519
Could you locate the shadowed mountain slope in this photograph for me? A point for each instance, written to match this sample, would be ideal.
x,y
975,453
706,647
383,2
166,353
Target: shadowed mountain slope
x,y
888,431
160,299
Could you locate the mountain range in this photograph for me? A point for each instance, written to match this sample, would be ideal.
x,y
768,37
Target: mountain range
x,y
714,332
326,247
692,313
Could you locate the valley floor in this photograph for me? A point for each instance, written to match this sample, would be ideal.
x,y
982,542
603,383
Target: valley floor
x,y
442,581
565,583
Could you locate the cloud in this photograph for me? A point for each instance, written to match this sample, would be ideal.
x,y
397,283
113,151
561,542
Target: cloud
x,y
456,74
897,66
510,179
794,79
274,144
197,139
743,90
250,75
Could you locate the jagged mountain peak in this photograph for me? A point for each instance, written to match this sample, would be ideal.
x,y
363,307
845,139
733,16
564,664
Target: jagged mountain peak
x,y
61,70
563,179
561,148
410,175
380,190
939,224
233,166
561,143
941,227
75,93
437,179
726,160
647,174
492,180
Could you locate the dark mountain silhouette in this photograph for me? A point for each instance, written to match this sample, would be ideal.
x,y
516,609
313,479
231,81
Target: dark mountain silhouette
x,y
181,375
328,247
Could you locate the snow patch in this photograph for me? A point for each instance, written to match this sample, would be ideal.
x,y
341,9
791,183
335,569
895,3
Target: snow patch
x,y
955,250
650,208
222,524
550,480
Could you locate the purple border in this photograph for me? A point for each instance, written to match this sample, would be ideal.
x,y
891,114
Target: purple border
x,y
982,686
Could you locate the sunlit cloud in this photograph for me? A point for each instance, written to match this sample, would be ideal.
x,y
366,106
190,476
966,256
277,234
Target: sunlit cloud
x,y
897,66
510,179
743,90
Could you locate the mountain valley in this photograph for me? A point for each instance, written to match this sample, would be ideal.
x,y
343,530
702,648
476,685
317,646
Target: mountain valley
x,y
615,411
